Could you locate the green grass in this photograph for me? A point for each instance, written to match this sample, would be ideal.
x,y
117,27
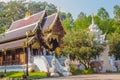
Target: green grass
x,y
38,75
14,75
34,75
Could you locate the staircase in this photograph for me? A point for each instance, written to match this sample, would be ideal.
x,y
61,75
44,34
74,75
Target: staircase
x,y
59,67
41,63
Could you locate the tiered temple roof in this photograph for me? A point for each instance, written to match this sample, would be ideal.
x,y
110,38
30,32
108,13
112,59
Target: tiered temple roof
x,y
16,34
25,22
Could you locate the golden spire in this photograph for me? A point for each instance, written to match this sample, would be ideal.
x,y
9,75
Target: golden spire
x,y
58,10
46,8
27,14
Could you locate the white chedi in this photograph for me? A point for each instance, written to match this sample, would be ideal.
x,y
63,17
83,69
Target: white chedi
x,y
97,32
53,71
67,67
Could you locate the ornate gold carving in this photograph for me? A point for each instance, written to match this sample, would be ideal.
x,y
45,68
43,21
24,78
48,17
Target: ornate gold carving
x,y
4,51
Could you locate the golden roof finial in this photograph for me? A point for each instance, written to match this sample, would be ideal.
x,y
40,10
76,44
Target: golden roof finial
x,y
27,14
46,8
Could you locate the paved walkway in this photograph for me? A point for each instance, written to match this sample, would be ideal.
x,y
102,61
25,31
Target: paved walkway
x,y
88,77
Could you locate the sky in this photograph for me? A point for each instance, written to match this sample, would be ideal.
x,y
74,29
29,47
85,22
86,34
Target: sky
x,y
86,6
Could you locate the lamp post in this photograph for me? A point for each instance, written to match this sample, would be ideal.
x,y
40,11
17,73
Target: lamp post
x,y
27,35
4,51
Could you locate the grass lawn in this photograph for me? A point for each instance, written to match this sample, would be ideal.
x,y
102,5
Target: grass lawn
x,y
34,75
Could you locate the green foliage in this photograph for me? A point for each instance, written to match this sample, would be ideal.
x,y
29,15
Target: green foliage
x,y
114,44
72,69
68,22
82,22
106,26
77,72
86,71
117,12
103,14
78,45
63,16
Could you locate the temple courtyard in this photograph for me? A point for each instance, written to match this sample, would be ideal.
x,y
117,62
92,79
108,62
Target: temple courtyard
x,y
88,77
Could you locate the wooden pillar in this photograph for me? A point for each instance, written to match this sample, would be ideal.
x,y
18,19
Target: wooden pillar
x,y
1,60
23,55
4,51
10,59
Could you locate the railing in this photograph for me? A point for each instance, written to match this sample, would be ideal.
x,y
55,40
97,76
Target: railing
x,y
13,62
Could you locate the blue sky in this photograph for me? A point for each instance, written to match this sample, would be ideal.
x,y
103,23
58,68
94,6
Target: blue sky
x,y
86,6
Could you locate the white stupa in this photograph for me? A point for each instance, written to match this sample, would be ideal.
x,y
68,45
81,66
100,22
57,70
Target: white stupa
x,y
107,61
97,32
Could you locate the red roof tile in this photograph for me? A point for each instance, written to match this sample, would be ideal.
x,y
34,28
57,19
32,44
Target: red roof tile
x,y
24,22
17,33
47,21
13,44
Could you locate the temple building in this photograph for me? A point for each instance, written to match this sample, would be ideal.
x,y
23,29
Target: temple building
x,y
29,37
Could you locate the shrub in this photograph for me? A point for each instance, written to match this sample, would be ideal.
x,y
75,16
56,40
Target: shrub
x,y
77,72
88,71
2,75
72,69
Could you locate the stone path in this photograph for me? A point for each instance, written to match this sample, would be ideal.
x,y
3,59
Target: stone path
x,y
88,77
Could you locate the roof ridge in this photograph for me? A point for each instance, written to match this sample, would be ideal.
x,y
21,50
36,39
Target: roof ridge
x,y
51,15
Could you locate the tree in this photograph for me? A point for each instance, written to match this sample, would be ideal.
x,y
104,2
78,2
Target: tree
x,y
116,22
81,22
103,14
114,44
2,6
12,11
106,26
78,45
117,12
62,16
81,16
35,7
68,22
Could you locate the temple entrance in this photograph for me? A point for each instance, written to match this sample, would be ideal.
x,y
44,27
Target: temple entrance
x,y
54,43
